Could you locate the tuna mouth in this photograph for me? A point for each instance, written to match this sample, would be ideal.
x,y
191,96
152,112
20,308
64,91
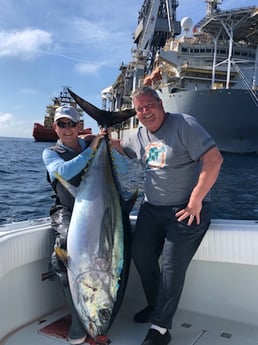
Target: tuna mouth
x,y
104,315
98,328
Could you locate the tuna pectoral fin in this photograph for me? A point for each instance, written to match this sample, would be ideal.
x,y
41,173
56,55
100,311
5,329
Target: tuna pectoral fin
x,y
62,255
130,202
72,189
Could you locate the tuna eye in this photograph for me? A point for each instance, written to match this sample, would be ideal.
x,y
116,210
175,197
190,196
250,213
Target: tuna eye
x,y
104,315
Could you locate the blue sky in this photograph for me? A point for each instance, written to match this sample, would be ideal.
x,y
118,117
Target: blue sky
x,y
46,44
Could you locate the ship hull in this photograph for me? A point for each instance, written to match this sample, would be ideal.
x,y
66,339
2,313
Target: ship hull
x,y
41,133
230,116
44,134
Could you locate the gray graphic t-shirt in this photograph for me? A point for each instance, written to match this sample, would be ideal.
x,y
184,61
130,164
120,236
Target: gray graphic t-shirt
x,y
170,157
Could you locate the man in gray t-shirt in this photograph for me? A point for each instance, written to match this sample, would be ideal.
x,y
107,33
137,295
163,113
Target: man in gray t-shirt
x,y
181,163
170,157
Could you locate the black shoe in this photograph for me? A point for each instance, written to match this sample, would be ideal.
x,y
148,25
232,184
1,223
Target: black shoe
x,y
153,337
143,315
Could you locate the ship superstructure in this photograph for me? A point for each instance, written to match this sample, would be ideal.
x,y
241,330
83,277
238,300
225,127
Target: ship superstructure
x,y
209,70
46,132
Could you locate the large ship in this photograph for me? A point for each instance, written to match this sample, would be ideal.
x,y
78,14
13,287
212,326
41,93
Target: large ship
x,y
209,70
46,132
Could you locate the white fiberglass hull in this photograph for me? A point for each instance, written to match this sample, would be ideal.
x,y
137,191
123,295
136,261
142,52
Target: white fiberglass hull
x,y
219,304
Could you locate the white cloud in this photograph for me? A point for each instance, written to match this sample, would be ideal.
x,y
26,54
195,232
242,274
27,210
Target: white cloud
x,y
90,31
10,126
87,36
88,67
6,120
26,43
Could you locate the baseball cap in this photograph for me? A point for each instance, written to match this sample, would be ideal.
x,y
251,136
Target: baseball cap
x,y
68,112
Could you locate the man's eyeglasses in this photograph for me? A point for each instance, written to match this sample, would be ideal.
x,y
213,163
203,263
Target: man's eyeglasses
x,y
69,124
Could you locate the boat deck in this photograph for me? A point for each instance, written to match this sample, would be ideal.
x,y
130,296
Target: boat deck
x,y
189,329
219,303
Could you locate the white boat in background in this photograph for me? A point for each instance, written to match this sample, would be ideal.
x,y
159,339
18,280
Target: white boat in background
x,y
209,70
219,303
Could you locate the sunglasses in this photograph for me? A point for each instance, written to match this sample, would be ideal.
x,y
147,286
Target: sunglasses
x,y
69,124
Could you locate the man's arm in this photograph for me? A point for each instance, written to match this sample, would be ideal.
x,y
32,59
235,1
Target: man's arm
x,y
211,164
116,144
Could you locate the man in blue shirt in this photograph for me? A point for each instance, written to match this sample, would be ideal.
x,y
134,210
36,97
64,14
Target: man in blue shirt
x,y
68,157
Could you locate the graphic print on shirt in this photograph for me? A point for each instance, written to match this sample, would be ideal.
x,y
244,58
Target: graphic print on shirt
x,y
155,155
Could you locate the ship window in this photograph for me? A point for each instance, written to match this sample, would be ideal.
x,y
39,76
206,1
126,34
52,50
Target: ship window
x,y
244,54
221,51
184,50
202,50
237,53
196,50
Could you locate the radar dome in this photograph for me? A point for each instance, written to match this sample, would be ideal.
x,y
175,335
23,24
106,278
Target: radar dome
x,y
186,23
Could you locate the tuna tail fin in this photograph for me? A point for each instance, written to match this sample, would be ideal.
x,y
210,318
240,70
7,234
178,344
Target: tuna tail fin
x,y
104,118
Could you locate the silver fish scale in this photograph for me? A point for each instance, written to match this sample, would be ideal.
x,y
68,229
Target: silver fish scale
x,y
95,244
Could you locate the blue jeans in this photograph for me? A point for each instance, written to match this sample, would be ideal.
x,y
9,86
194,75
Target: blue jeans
x,y
158,233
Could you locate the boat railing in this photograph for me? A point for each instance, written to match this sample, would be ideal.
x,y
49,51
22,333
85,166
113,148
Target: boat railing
x,y
246,82
188,64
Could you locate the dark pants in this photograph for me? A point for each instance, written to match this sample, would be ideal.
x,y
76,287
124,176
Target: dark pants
x,y
158,233
60,219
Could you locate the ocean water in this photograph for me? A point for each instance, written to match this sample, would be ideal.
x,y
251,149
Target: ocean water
x,y
25,194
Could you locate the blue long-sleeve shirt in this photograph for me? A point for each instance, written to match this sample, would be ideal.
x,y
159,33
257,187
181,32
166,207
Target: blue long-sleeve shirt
x,y
68,169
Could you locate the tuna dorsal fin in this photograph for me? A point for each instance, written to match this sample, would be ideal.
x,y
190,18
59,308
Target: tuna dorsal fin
x,y
103,117
72,189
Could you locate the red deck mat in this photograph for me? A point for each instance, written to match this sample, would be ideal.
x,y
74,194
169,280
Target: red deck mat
x,y
60,327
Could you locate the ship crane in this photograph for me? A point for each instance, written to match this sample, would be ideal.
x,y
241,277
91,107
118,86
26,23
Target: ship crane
x,y
156,23
212,6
